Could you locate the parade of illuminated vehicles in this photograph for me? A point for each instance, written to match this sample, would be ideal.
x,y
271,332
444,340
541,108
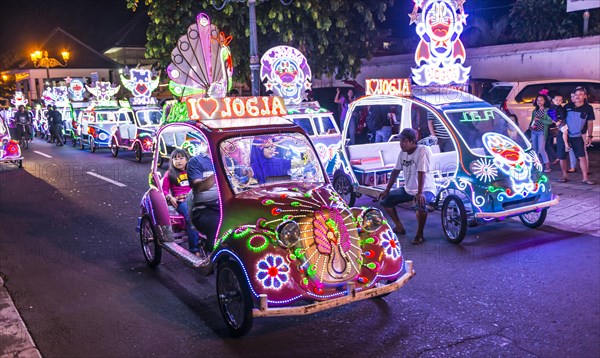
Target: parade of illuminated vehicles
x,y
283,239
291,243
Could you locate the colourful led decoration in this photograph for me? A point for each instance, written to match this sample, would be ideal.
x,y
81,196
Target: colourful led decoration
x,y
485,170
103,92
201,62
440,54
201,108
390,244
273,272
76,90
285,71
19,99
511,159
141,82
393,87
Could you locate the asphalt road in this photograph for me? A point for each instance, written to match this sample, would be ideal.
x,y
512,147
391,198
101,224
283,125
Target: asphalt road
x,y
72,262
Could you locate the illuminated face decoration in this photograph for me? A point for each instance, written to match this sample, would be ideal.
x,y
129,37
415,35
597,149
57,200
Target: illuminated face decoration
x,y
60,95
76,90
140,82
511,159
103,91
285,71
440,53
19,99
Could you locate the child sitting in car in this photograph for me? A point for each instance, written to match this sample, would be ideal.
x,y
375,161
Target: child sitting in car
x,y
175,187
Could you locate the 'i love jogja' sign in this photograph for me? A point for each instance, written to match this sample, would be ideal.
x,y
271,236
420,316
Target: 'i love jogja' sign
x,y
392,87
200,108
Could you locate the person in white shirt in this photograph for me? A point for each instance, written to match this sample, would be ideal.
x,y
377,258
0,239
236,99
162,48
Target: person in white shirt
x,y
415,162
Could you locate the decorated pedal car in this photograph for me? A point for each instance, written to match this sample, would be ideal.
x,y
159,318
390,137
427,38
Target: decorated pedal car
x,y
287,244
486,171
10,152
138,134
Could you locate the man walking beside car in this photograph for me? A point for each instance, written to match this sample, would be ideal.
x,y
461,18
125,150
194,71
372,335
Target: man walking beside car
x,y
579,120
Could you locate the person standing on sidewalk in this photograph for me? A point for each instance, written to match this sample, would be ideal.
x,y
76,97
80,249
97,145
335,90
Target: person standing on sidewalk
x,y
579,120
539,124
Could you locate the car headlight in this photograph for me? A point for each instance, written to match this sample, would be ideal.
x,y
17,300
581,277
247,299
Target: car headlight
x,y
288,234
372,219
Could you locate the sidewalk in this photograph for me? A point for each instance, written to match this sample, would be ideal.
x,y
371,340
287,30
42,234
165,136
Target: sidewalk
x,y
579,207
15,340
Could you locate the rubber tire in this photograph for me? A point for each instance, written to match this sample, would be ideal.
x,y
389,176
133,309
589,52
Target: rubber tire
x,y
537,223
462,218
153,258
160,163
81,145
92,144
74,141
341,182
137,149
20,163
114,148
232,289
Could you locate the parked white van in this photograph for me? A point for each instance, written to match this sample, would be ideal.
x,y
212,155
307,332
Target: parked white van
x,y
519,101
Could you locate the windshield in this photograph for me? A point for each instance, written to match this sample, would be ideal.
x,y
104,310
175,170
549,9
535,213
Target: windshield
x,y
497,95
114,116
472,123
150,117
251,161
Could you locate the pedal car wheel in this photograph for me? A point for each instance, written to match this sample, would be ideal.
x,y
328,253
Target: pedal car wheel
x,y
137,148
343,186
92,144
21,163
161,161
81,145
74,141
114,148
234,298
534,219
454,219
150,246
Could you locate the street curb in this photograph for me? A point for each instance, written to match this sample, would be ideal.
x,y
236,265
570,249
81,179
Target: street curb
x,y
15,340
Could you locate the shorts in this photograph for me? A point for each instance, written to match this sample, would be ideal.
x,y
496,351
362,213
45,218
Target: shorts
x,y
400,195
577,146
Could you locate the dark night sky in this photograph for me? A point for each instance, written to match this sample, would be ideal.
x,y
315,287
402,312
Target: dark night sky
x,y
26,23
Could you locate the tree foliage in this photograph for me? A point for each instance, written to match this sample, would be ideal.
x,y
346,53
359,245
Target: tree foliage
x,y
534,20
333,34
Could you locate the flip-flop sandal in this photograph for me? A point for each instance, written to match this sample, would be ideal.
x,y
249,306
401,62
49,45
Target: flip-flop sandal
x,y
588,182
399,232
563,180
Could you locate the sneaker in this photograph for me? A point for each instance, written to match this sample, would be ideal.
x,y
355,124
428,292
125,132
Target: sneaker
x,y
418,240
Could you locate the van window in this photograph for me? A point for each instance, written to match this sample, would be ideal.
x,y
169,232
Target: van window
x,y
497,95
528,94
304,123
325,125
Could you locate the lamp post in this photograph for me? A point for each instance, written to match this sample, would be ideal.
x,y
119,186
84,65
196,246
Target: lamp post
x,y
254,59
41,59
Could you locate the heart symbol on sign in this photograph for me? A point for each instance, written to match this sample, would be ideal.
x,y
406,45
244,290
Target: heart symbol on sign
x,y
141,88
208,106
374,86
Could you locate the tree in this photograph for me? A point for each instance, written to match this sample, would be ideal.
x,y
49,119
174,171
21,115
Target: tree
x,y
481,32
334,35
533,20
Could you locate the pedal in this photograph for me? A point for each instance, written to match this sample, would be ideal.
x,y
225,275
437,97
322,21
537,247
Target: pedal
x,y
187,257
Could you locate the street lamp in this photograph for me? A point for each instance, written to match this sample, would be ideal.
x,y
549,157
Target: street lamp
x,y
41,59
254,59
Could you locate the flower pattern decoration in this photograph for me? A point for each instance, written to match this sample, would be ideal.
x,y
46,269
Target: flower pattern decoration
x,y
273,272
485,170
390,244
